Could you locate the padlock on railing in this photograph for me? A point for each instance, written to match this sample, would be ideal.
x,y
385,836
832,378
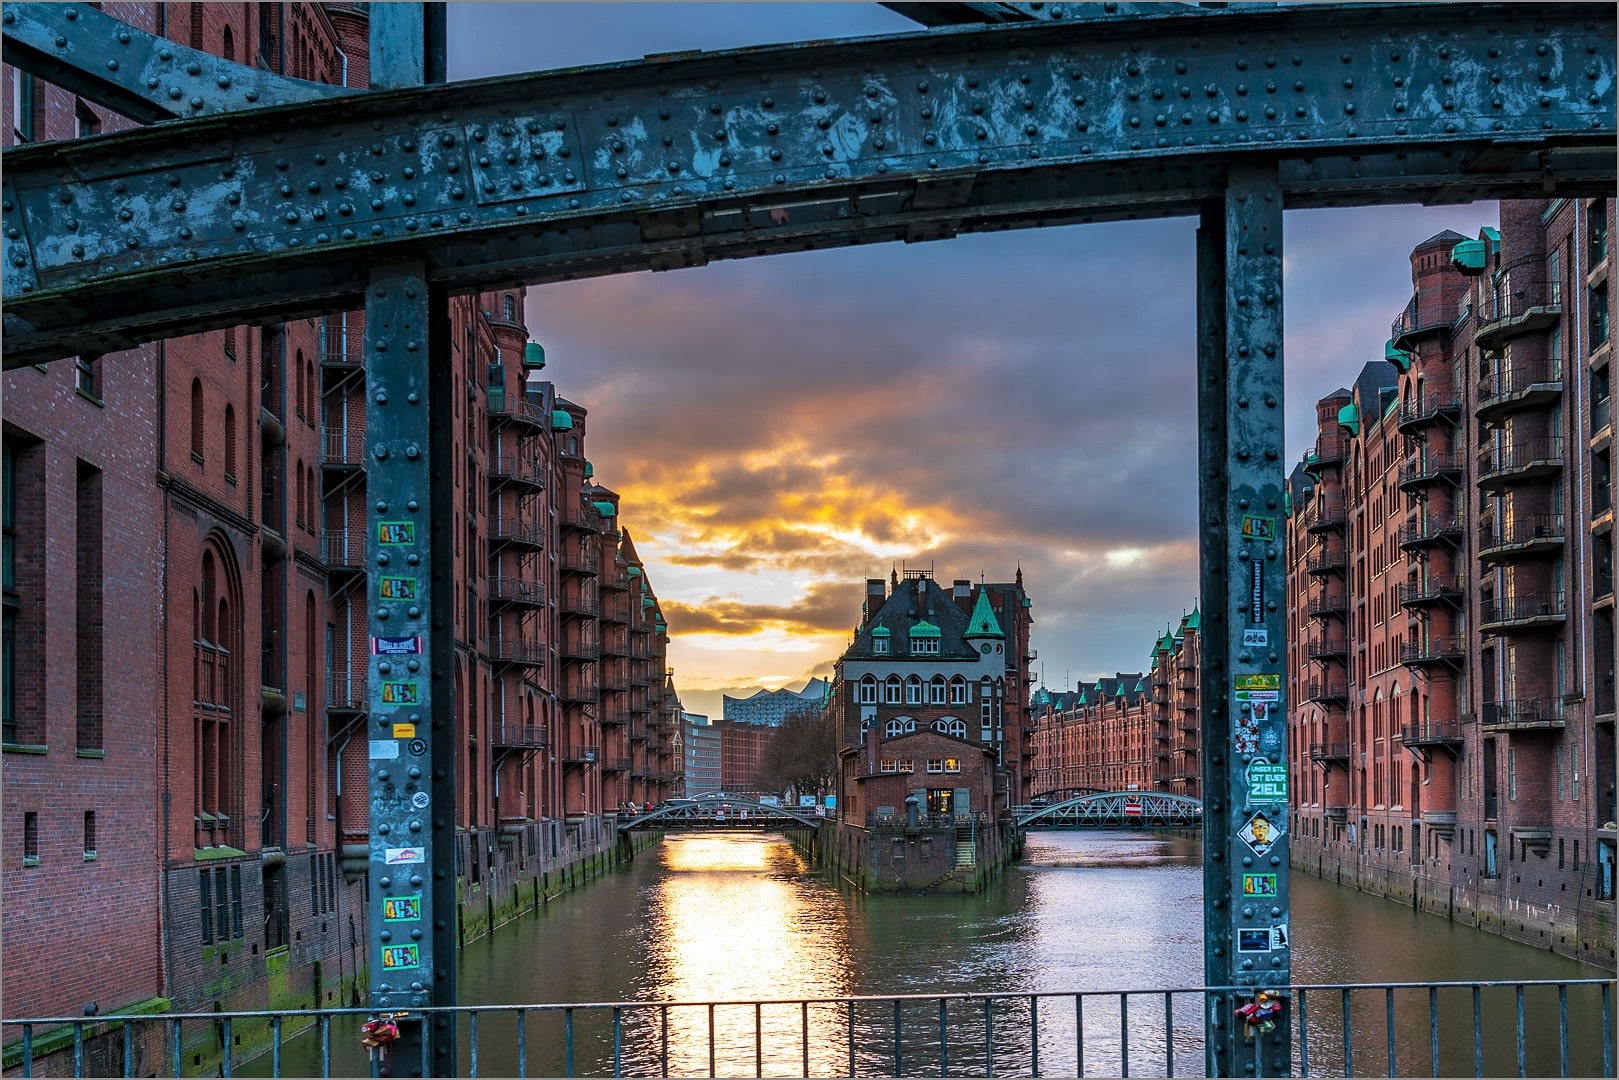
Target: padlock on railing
x,y
379,1032
1259,1015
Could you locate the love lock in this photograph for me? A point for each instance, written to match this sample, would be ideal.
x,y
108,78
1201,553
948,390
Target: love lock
x,y
1259,1015
377,1033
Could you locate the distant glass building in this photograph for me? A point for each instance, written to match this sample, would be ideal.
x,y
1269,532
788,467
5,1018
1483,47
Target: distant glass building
x,y
702,746
771,707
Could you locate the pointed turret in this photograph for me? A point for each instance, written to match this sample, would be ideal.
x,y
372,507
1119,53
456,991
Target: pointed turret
x,y
983,623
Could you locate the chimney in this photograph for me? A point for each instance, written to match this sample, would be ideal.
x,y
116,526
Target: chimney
x,y
961,587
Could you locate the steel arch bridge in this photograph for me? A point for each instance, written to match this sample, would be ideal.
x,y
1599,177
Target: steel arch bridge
x,y
728,814
1114,810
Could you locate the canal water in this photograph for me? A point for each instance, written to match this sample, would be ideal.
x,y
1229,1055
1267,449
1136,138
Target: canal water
x,y
740,917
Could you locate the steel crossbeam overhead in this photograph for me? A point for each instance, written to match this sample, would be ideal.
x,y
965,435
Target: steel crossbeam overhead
x,y
956,14
278,212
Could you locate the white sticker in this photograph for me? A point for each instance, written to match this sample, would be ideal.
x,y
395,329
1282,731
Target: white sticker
x,y
396,856
1256,637
384,750
419,800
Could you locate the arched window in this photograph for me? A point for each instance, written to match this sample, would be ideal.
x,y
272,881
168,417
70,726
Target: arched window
x,y
314,390
298,470
892,690
196,419
218,660
936,690
900,725
868,690
230,443
302,389
509,305
228,51
959,691
913,691
949,725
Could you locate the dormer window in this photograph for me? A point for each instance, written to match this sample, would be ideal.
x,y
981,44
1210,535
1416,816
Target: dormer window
x,y
924,646
879,646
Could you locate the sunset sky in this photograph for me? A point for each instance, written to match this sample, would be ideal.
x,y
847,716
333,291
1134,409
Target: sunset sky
x,y
780,429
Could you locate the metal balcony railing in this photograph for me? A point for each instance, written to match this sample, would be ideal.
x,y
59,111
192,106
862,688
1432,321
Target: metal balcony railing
x,y
1327,561
1533,609
347,691
519,736
612,716
506,529
514,590
1329,751
344,449
1521,533
1437,649
1531,714
615,764
577,517
1330,449
579,692
516,468
1419,318
1521,386
1443,527
516,650
1327,690
1318,648
581,755
1518,303
344,548
575,561
1326,602
1439,399
1434,589
1324,513
573,603
518,409
1432,733
580,650
1431,466
1521,460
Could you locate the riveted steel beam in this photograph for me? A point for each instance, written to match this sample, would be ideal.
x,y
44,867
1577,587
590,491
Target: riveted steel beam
x,y
973,13
674,162
143,76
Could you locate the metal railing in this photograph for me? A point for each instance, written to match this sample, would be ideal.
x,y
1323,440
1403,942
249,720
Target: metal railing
x,y
1522,530
1543,454
1543,377
1529,714
1436,648
1431,465
1498,1028
1518,294
1522,609
1437,398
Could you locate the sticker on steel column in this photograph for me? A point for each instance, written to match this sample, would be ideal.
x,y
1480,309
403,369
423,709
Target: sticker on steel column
x,y
1278,936
1245,734
1258,885
396,646
384,750
1258,590
1261,833
420,799
404,731
1258,528
401,956
1267,783
394,533
1255,637
396,588
401,856
1253,939
418,747
402,908
401,693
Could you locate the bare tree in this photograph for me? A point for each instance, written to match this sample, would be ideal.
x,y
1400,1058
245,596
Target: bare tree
x,y
802,753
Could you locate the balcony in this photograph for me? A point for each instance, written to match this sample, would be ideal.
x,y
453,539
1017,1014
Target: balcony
x,y
579,692
613,716
1325,561
1532,612
618,580
514,590
575,603
580,650
578,518
615,680
514,469
1440,529
519,736
1327,690
1329,752
516,650
1521,534
1533,714
343,450
1446,734
616,647
1329,450
513,531
1437,649
1518,304
1439,401
1521,386
1436,589
1325,648
1431,468
1336,814
615,764
1324,513
344,549
1416,321
574,561
580,755
519,409
347,692
1327,602
1522,461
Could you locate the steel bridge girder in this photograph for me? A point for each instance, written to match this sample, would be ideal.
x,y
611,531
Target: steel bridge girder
x,y
275,213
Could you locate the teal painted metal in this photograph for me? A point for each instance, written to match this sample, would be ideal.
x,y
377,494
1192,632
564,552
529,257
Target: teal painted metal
x,y
1114,809
143,76
669,163
1244,622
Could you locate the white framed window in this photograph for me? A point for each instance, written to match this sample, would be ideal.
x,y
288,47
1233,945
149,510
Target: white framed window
x,y
959,694
949,725
936,690
879,646
935,765
913,691
868,690
893,691
952,764
924,646
900,725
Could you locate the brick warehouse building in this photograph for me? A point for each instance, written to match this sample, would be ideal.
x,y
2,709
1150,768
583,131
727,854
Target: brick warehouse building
x,y
1450,549
1126,732
183,516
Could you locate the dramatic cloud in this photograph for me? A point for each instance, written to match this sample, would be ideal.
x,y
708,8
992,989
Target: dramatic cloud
x,y
781,429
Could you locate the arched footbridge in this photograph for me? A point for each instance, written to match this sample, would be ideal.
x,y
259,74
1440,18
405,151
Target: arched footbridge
x,y
729,814
1114,810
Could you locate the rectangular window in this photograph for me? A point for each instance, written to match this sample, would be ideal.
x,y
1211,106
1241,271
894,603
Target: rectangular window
x,y
84,376
86,121
236,901
1599,315
22,105
8,518
221,901
1596,219
205,902
1560,787
8,684
958,693
935,765
89,610
952,764
30,839
89,834
890,765
1574,772
1512,774
879,646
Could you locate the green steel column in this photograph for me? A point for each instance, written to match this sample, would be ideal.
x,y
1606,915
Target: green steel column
x,y
409,434
1244,634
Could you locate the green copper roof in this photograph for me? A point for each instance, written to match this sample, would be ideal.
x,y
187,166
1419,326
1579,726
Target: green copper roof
x,y
590,470
1141,686
605,508
534,355
881,631
561,420
924,629
1166,643
1081,699
983,622
634,571
1349,417
1400,358
1193,621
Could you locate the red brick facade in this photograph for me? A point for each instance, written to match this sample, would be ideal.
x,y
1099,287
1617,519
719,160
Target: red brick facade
x,y
186,620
